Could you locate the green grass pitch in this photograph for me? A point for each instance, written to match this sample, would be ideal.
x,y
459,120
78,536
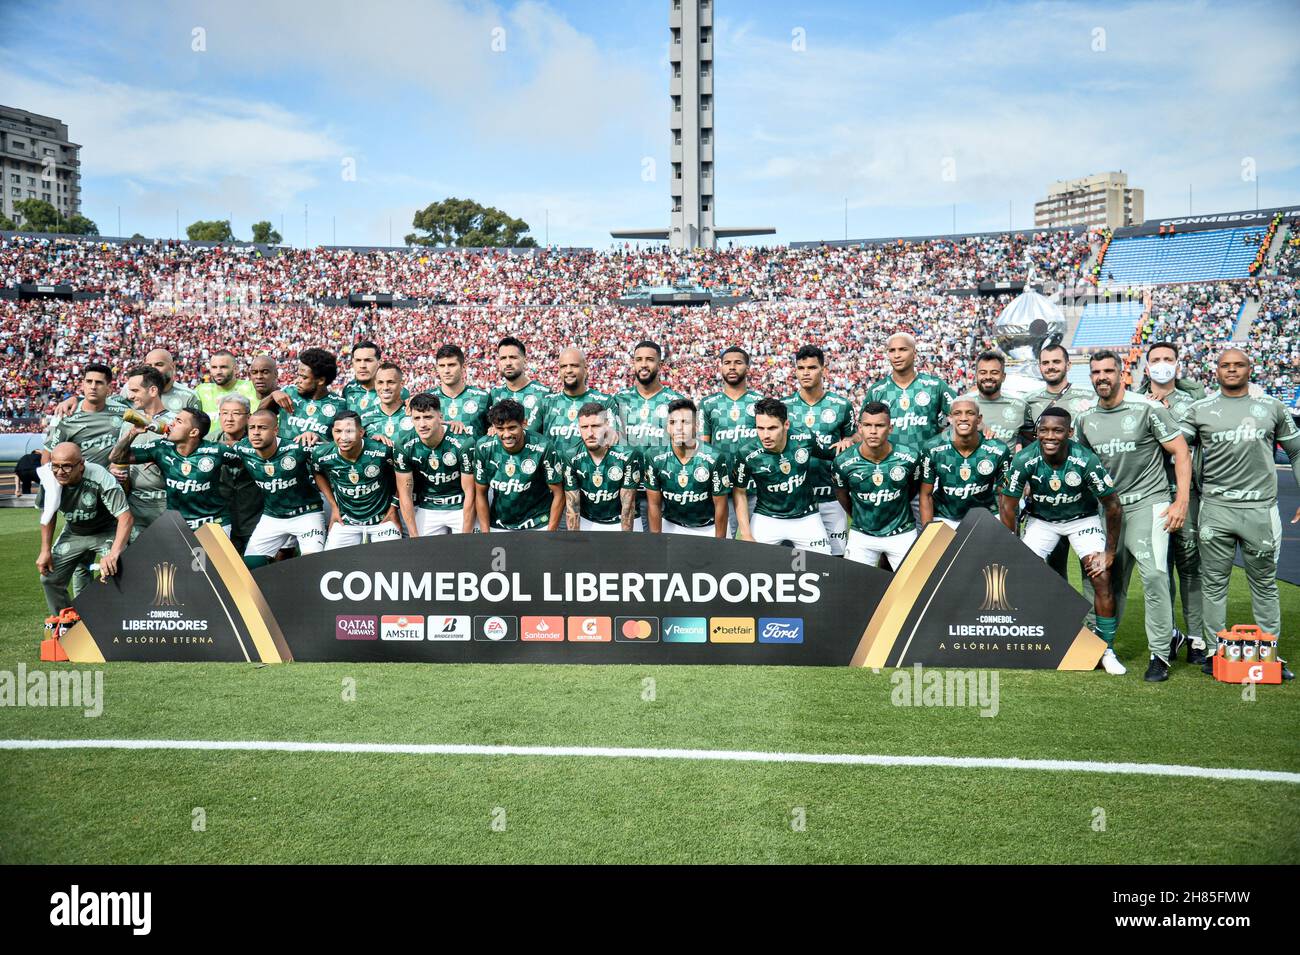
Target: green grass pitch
x,y
80,806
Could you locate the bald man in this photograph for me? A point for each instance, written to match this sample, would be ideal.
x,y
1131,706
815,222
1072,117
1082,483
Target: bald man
x,y
559,418
1237,432
97,523
264,373
917,403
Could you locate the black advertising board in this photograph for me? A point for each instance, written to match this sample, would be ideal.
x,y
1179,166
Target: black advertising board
x,y
972,597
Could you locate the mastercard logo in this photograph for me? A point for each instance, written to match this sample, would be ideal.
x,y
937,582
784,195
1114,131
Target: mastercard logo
x,y
636,629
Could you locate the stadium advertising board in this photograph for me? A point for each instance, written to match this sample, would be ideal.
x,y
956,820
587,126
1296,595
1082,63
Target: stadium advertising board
x,y
970,597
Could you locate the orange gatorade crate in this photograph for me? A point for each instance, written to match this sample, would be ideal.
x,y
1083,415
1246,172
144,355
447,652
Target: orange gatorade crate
x,y
55,627
1247,654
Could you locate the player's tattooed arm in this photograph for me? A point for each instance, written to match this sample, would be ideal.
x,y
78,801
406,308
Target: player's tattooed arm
x,y
627,507
406,501
122,453
572,509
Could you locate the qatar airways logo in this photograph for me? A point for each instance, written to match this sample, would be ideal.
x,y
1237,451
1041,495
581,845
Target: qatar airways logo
x,y
1243,432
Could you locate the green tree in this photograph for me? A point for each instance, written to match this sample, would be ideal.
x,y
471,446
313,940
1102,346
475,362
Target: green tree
x,y
264,234
466,223
7,224
37,215
216,230
80,225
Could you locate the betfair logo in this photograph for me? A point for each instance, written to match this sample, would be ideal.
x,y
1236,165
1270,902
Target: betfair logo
x,y
995,588
731,630
164,585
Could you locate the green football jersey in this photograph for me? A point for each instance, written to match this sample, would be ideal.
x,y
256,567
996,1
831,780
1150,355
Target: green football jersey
x,y
960,482
396,427
1058,493
193,482
364,488
689,487
645,420
1072,399
728,423
91,506
1004,416
832,415
242,494
285,478
1236,437
781,479
530,396
309,415
469,407
95,432
558,421
599,483
520,482
437,469
916,412
1128,440
148,495
880,492
361,399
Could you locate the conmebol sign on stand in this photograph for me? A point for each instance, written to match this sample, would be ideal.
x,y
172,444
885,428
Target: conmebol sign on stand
x,y
970,597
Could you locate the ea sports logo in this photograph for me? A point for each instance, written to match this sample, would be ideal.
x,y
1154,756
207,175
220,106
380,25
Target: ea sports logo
x,y
494,628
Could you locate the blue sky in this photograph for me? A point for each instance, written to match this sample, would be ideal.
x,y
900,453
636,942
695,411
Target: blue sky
x,y
284,99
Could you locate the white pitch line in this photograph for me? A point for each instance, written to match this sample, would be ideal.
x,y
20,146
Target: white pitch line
x,y
707,755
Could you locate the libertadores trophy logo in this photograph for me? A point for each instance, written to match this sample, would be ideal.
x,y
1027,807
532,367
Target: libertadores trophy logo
x,y
164,590
995,588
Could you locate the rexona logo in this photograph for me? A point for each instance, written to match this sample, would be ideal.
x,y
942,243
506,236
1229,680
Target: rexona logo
x,y
448,627
636,629
541,629
686,630
406,627
496,628
780,630
352,627
731,630
589,629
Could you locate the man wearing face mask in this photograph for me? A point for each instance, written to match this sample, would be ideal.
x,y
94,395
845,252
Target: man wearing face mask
x,y
1162,384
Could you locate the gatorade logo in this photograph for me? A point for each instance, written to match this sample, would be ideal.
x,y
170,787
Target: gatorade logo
x,y
589,630
636,629
731,630
541,629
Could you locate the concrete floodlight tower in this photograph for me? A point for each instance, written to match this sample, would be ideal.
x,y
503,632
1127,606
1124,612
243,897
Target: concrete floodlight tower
x,y
690,87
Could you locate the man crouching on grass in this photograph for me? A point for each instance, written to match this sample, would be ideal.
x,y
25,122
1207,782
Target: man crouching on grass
x,y
1065,483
